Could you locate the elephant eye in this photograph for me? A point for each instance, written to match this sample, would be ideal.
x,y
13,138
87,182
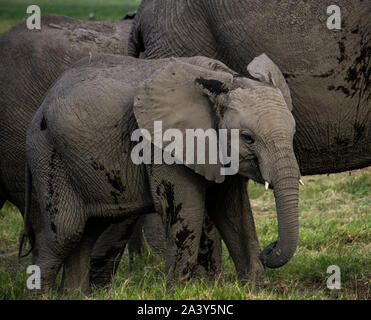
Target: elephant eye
x,y
248,138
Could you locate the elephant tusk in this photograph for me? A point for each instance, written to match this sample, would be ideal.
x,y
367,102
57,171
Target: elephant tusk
x,y
266,185
301,182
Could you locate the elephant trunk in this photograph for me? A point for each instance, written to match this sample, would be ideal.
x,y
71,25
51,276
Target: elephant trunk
x,y
286,192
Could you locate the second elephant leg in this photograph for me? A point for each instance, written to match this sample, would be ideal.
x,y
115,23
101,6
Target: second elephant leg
x,y
136,241
229,207
108,250
209,260
76,267
179,195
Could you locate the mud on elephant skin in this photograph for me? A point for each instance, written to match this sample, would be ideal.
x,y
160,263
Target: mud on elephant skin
x,y
80,153
150,234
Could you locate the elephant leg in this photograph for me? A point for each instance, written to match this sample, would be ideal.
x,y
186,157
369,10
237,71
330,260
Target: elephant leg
x,y
154,232
60,225
183,245
136,241
179,196
49,263
76,268
51,256
229,207
36,233
108,250
209,260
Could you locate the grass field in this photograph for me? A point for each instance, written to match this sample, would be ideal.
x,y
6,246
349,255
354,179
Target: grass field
x,y
13,11
335,223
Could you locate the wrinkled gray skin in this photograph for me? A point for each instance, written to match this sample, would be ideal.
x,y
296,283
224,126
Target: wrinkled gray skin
x,y
327,72
79,155
30,61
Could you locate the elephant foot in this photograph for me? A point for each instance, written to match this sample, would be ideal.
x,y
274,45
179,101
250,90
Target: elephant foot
x,y
180,281
255,274
74,281
201,274
102,278
103,266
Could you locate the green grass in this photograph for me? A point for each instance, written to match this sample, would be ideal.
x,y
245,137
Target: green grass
x,y
14,11
335,229
335,222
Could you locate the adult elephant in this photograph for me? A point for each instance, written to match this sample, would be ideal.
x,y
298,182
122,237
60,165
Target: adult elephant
x,y
327,71
31,60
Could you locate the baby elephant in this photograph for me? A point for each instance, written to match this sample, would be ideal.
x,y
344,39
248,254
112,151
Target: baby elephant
x,y
81,155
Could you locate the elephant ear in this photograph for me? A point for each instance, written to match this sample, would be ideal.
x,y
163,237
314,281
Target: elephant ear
x,y
264,69
180,96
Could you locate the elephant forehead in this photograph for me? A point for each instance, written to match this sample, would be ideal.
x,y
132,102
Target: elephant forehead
x,y
248,107
257,98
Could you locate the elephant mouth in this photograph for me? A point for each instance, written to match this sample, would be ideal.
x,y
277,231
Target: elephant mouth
x,y
249,168
250,157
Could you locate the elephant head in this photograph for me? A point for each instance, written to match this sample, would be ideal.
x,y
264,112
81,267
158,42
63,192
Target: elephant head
x,y
200,93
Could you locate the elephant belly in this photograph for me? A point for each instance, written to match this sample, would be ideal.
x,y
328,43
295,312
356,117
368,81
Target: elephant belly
x,y
115,193
333,130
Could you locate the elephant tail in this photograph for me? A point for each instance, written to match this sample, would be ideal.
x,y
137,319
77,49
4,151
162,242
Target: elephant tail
x,y
28,233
